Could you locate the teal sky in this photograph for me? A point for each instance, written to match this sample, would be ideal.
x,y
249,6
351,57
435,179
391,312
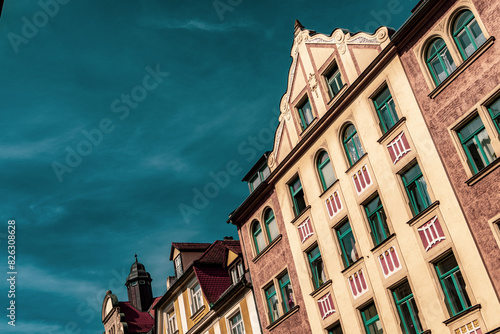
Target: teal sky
x,y
115,114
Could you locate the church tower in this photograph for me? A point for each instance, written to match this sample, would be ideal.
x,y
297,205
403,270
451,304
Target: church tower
x,y
140,293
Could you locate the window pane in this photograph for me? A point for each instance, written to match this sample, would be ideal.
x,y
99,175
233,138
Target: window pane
x,y
382,97
452,297
265,172
334,81
495,108
447,264
328,175
347,244
261,243
448,61
359,148
373,205
459,279
477,33
471,127
349,131
306,111
485,142
296,185
465,43
272,226
438,70
464,17
351,150
414,311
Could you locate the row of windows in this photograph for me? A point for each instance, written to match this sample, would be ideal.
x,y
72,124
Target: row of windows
x,y
468,38
453,287
235,323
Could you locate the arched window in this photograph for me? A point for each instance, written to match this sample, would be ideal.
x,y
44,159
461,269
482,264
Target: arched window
x,y
271,225
325,170
258,237
467,34
352,145
439,61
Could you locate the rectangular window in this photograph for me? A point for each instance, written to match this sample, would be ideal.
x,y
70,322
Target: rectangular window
x,y
494,110
335,330
476,144
299,203
305,114
178,266
386,110
172,323
334,81
377,220
272,303
264,172
196,298
236,324
453,285
371,320
237,272
347,244
407,309
416,189
286,292
317,269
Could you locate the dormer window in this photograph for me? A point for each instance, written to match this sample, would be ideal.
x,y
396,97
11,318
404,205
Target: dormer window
x,y
259,177
237,273
178,266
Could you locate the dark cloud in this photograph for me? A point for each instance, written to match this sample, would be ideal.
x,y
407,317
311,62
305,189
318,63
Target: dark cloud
x,y
77,238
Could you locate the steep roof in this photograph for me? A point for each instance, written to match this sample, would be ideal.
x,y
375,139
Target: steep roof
x,y
152,307
217,252
213,281
138,322
188,247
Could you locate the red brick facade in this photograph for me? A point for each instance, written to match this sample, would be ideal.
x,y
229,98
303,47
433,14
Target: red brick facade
x,y
268,265
480,79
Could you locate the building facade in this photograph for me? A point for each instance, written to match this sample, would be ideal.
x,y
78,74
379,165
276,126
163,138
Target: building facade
x,y
210,292
460,102
358,207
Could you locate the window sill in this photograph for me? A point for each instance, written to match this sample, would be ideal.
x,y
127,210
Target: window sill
x,y
356,164
309,126
338,95
330,187
461,314
482,49
321,288
483,172
266,249
391,131
352,265
285,316
383,243
197,313
423,213
302,214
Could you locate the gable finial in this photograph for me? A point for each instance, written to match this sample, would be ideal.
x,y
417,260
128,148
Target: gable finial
x,y
298,27
136,257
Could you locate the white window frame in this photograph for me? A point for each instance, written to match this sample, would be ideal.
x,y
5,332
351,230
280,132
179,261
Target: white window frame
x,y
237,273
178,266
195,297
171,322
240,323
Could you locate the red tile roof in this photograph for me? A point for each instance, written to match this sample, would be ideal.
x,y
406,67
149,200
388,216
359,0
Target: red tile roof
x,y
138,322
213,281
188,247
217,252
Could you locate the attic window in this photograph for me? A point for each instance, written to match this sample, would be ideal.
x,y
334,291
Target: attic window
x,y
178,266
237,272
259,177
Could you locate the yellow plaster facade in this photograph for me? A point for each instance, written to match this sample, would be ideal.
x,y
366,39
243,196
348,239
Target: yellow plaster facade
x,y
295,153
